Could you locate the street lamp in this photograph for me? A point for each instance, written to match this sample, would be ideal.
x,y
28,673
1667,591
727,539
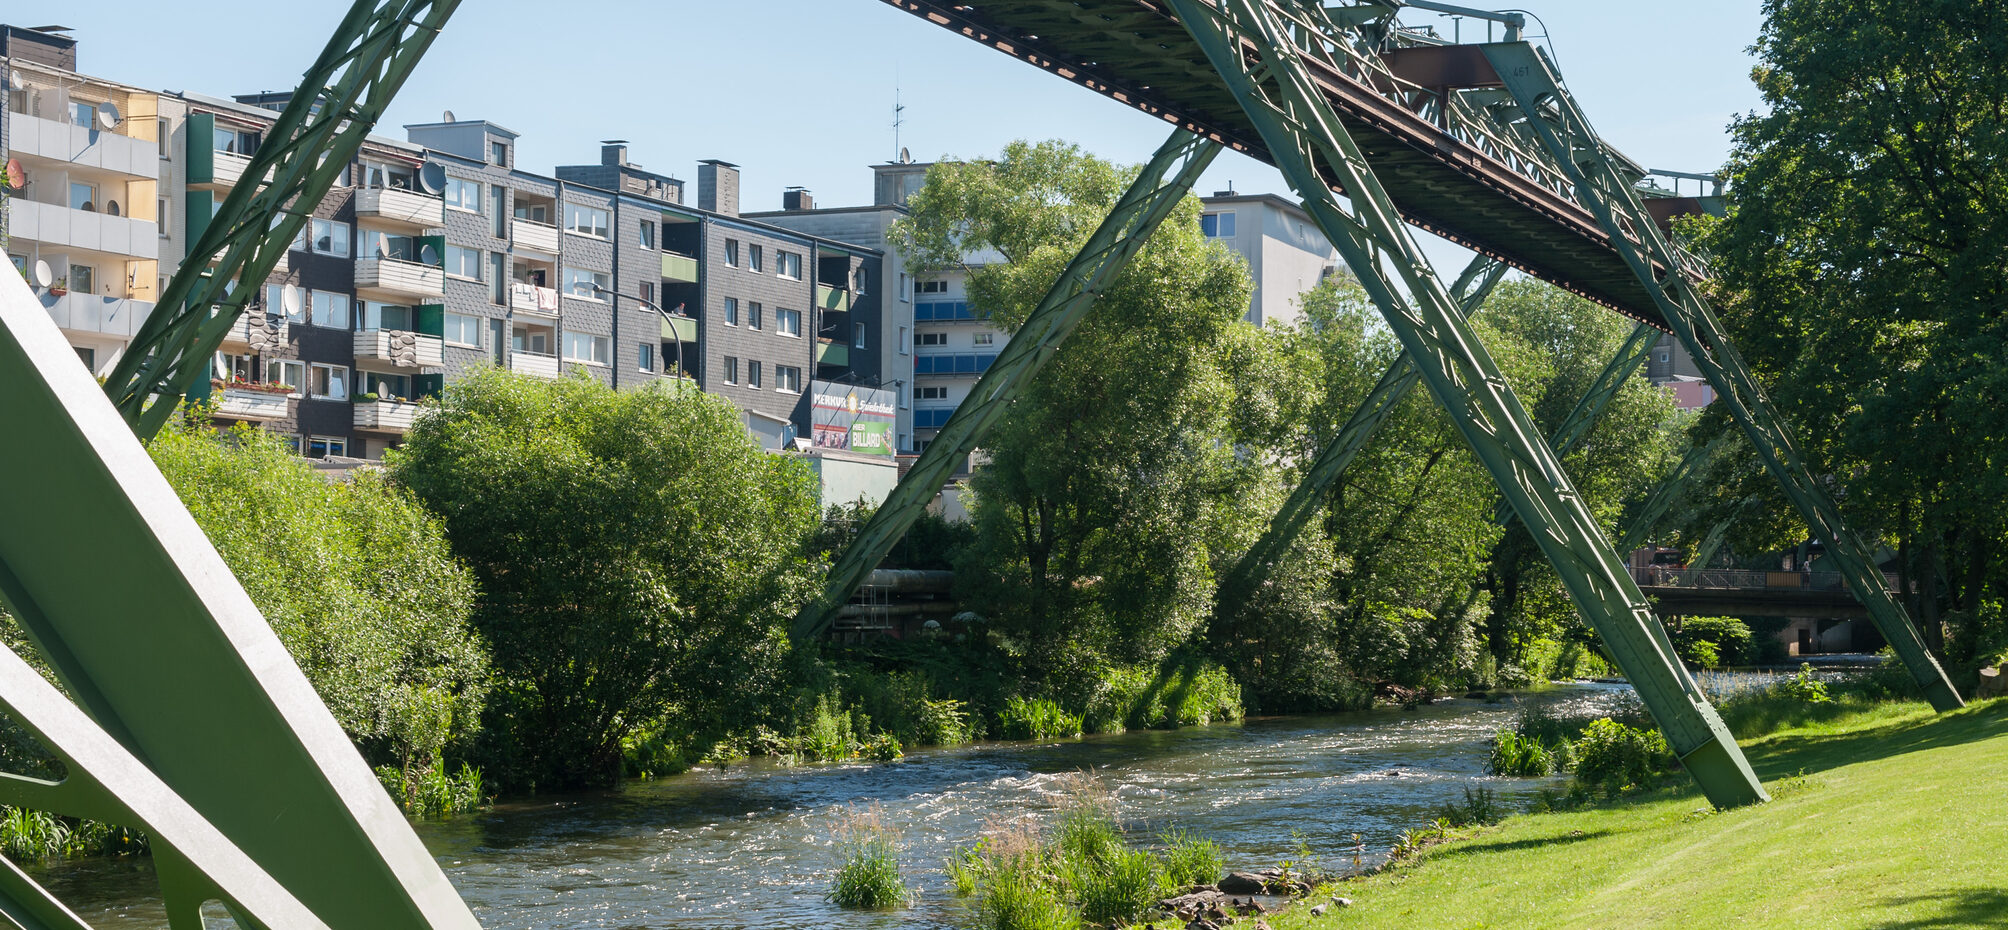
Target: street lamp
x,y
647,304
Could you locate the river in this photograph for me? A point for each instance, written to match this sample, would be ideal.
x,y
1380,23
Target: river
x,y
750,846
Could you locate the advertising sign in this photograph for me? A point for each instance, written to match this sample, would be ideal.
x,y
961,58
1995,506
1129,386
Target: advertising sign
x,y
853,418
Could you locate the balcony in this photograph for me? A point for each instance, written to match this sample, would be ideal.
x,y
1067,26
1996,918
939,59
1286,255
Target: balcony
x,y
679,268
396,280
539,366
405,209
392,350
833,299
259,332
386,416
59,228
535,236
35,137
248,404
116,317
831,352
226,169
529,298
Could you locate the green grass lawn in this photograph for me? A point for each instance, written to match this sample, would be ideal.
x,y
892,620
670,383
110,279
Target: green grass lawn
x,y
1900,820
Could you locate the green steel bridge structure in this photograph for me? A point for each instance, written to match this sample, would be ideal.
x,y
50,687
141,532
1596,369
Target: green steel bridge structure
x,y
181,714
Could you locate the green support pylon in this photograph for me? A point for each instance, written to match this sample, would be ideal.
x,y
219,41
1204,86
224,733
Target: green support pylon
x,y
1551,113
1156,192
1661,500
1303,504
307,149
1258,57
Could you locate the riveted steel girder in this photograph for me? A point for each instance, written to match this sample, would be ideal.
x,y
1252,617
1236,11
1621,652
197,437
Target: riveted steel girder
x,y
1155,193
1260,59
1552,115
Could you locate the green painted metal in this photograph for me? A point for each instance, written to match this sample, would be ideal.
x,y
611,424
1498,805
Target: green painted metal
x,y
1258,55
1304,503
1165,181
1607,190
371,54
1661,500
1574,427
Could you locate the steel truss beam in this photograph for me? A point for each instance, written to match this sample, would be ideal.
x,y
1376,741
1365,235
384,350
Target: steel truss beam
x,y
1259,57
314,140
1156,192
1304,503
1552,114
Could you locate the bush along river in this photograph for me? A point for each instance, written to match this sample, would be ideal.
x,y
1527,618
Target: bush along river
x,y
751,846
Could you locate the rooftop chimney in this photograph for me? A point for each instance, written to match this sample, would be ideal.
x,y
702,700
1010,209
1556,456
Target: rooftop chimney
x,y
718,187
613,153
797,200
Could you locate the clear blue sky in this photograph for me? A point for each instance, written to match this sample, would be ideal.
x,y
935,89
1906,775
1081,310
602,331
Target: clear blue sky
x,y
801,91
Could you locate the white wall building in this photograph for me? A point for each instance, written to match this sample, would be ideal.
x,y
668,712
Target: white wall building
x,y
1286,252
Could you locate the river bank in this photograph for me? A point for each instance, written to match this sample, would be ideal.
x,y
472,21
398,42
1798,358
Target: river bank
x,y
1884,817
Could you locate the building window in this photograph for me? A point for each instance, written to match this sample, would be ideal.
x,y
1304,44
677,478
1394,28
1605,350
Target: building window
x,y
754,261
905,295
164,218
788,378
931,287
89,357
82,112
984,339
753,374
498,278
462,194
858,281
753,315
164,131
378,316
585,347
463,330
930,339
731,370
1217,225
276,298
83,196
788,322
498,153
331,310
585,221
788,265
328,382
463,263
587,285
732,311
384,245
732,252
331,238
645,357
320,447
647,235
903,350
931,393
289,373
83,279
858,335
647,291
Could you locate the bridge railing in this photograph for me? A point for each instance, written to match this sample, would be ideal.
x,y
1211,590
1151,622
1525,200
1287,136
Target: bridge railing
x,y
1667,576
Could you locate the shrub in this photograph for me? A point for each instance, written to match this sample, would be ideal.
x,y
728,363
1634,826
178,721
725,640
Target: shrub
x,y
1017,896
1804,687
1037,718
430,792
1520,756
868,879
1191,860
1612,756
1711,642
1118,888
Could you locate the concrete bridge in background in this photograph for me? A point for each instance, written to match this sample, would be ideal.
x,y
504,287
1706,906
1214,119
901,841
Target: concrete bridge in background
x,y
1737,593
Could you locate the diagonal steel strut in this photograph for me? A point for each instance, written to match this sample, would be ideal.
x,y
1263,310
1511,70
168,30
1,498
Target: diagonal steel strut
x,y
337,105
1155,193
1552,114
1259,59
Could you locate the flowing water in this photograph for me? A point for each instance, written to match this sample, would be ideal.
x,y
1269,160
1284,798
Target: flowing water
x,y
751,846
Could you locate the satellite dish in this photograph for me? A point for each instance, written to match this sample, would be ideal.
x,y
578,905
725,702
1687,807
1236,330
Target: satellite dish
x,y
112,207
108,116
43,276
14,81
905,157
289,300
16,179
447,117
432,177
428,255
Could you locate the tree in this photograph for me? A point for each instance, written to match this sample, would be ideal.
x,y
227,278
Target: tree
x,y
638,556
1863,265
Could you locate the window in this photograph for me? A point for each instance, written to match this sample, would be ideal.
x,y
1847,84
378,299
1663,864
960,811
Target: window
x,y
498,153
731,370
930,339
330,309
645,357
164,132
585,221
788,322
462,194
931,393
463,263
931,287
753,374
463,330
787,378
163,218
1217,225
498,278
83,196
858,281
384,176
732,252
788,265
330,238
83,113
384,245
328,382
83,279
905,296
984,339
533,212
647,293
499,227
647,235
858,335
586,347
235,141
902,341
732,311
89,357
754,262
320,447
753,315
278,295
587,285
386,316
289,373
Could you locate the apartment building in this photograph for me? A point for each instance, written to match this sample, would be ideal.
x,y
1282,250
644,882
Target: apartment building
x,y
1285,251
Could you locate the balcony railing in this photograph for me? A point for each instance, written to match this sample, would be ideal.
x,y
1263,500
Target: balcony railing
x,y
530,298
679,268
831,352
833,299
60,228
391,350
410,209
530,234
528,363
398,277
387,416
258,332
105,316
35,137
247,404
